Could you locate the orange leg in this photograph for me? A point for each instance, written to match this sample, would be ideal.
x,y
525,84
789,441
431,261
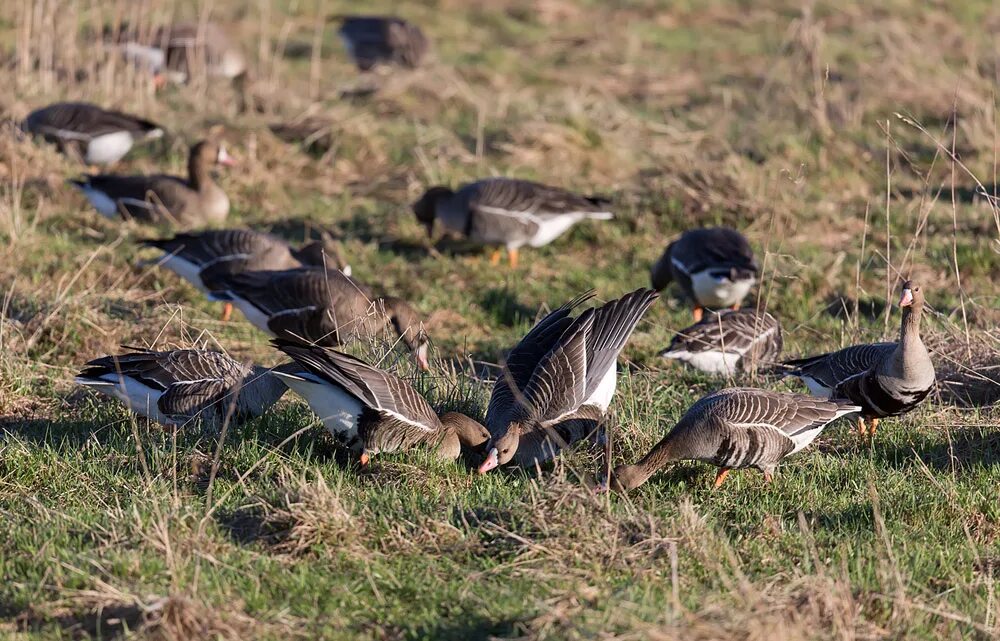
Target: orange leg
x,y
874,426
735,307
862,428
698,312
720,477
364,459
512,257
495,258
768,476
227,311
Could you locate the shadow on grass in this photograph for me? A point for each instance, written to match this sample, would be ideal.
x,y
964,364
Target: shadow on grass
x,y
502,305
959,449
110,622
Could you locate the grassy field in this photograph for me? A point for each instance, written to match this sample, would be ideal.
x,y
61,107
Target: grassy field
x,y
850,143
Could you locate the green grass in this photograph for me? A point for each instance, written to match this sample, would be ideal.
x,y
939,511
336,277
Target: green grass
x,y
111,527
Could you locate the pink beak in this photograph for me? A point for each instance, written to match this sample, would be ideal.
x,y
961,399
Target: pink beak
x,y
492,461
225,159
421,356
906,299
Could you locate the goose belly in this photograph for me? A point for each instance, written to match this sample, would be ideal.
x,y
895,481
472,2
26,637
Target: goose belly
x,y
712,292
338,410
139,398
104,204
552,228
108,148
184,268
256,317
711,361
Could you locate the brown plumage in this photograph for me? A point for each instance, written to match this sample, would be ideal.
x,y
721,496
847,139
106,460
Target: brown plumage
x,y
728,342
89,133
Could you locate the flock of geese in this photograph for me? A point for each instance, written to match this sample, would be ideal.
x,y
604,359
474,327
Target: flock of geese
x,y
555,386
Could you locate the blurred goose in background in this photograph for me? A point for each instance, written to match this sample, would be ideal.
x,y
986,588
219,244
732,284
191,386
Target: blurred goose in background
x,y
174,53
160,199
885,379
201,257
317,306
373,40
370,410
93,135
715,267
557,383
178,386
737,428
508,212
728,342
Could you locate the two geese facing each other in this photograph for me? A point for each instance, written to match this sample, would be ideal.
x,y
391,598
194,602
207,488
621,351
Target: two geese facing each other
x,y
553,391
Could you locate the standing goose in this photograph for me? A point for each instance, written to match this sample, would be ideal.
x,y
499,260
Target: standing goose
x,y
886,379
508,212
715,267
201,257
558,382
737,428
161,199
372,40
370,410
94,135
178,386
728,342
323,307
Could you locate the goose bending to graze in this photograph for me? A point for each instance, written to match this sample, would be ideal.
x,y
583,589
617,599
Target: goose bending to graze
x,y
202,257
372,40
94,135
158,199
715,267
886,379
175,52
178,386
728,342
319,306
737,428
370,410
557,383
507,212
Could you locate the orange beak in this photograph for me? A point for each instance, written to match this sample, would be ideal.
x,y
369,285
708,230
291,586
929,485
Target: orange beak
x,y
364,459
906,299
492,461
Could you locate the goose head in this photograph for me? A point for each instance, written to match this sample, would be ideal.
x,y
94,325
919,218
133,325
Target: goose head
x,y
501,450
460,431
911,295
425,209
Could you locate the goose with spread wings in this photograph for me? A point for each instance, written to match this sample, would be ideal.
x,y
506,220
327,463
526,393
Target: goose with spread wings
x,y
558,382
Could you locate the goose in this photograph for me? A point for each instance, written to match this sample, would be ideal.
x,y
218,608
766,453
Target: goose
x,y
371,410
320,306
715,267
175,387
558,382
886,379
737,428
728,342
91,134
173,53
161,199
508,212
372,40
198,257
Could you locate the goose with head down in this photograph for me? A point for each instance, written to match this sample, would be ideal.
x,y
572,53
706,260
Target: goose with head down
x,y
94,135
182,203
374,40
202,257
728,342
370,410
737,428
176,387
715,267
557,383
885,379
319,306
507,212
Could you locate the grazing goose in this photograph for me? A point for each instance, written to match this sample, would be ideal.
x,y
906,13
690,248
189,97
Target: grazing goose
x,y
91,134
508,212
372,40
161,199
200,257
370,410
558,382
737,428
715,267
175,52
323,307
728,342
178,386
886,379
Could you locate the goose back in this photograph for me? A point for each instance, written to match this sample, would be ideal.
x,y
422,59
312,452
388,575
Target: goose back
x,y
729,341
